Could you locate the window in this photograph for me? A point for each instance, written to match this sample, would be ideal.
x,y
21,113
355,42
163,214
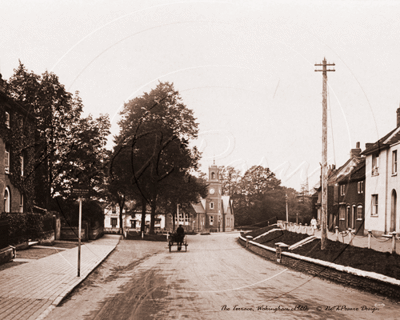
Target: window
x,y
374,205
22,165
133,224
342,213
211,205
114,222
394,162
8,120
360,213
180,217
21,203
211,220
7,160
375,164
113,209
186,218
360,187
342,189
7,200
212,175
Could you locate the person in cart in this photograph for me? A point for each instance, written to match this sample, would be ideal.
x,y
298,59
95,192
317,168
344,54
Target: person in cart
x,y
180,233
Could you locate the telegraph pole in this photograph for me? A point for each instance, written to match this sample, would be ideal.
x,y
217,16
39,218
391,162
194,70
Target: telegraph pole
x,y
324,166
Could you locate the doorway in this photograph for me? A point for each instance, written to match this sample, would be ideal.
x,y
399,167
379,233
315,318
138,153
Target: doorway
x,y
393,211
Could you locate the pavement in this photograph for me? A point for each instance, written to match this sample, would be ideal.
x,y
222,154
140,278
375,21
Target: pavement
x,y
31,290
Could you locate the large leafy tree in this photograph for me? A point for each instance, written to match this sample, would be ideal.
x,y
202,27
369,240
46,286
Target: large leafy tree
x,y
156,129
68,148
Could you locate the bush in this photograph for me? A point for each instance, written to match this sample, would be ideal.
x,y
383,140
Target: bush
x,y
25,226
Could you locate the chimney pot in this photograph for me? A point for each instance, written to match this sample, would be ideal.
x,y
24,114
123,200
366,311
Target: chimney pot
x,y
355,152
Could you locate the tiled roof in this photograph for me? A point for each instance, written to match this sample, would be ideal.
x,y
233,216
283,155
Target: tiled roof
x,y
198,207
356,173
383,143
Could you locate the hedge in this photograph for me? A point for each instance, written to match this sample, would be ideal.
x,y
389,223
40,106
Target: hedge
x,y
25,226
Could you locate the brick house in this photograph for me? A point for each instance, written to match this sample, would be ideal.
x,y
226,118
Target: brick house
x,y
17,152
351,200
346,194
382,182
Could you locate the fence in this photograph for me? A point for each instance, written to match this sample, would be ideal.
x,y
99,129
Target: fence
x,y
348,236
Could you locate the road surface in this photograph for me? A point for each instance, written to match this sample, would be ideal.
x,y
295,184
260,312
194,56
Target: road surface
x,y
215,279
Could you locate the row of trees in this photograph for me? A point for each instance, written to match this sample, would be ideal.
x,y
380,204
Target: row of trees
x,y
151,164
258,197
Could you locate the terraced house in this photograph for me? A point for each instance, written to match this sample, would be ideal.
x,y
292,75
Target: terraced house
x,y
382,182
17,152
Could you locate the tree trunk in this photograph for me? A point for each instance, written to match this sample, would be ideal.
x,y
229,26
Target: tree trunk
x,y
143,223
174,206
121,218
153,215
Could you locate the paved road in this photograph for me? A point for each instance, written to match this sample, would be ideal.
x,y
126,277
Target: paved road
x,y
215,279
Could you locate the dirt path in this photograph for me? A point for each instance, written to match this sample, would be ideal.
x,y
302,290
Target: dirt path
x,y
215,279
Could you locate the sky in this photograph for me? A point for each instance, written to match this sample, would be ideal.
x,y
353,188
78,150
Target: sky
x,y
245,68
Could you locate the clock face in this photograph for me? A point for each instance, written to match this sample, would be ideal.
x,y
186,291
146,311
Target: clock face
x,y
212,191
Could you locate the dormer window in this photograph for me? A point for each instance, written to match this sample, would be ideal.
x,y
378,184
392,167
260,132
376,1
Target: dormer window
x,y
7,120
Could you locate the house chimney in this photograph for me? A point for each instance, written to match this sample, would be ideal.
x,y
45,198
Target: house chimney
x,y
354,153
398,116
368,144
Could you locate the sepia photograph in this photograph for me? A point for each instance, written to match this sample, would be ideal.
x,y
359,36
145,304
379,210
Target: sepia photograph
x,y
199,159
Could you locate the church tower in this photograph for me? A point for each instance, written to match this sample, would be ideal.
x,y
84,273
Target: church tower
x,y
214,207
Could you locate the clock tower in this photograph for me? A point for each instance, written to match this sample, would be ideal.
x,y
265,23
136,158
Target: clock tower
x,y
213,203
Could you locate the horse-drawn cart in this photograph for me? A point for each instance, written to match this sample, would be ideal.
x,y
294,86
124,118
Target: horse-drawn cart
x,y
179,240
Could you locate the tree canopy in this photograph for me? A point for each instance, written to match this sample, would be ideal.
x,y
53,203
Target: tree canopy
x,y
153,148
68,147
259,198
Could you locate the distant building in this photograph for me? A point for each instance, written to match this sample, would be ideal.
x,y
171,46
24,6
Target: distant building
x,y
17,152
215,212
131,219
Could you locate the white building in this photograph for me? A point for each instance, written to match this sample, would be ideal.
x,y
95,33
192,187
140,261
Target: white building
x,y
131,221
382,183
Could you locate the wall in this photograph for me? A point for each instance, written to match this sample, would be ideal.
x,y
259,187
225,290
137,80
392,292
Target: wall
x,y
345,278
375,185
393,184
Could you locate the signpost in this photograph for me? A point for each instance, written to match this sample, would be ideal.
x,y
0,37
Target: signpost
x,y
81,192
